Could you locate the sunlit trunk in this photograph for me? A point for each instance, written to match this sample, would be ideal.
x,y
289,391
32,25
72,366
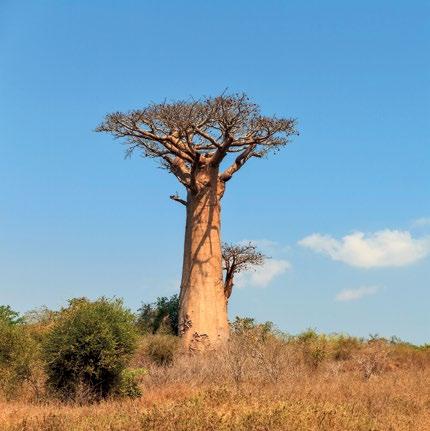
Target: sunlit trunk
x,y
203,320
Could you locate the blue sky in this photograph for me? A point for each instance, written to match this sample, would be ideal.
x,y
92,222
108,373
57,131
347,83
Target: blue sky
x,y
344,211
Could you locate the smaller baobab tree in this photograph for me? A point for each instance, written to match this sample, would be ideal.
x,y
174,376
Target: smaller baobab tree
x,y
203,143
238,258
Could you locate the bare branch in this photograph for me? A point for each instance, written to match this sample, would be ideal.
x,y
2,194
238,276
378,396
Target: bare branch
x,y
178,168
176,198
238,163
208,137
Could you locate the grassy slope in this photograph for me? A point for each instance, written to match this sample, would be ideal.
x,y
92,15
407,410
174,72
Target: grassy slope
x,y
395,401
308,384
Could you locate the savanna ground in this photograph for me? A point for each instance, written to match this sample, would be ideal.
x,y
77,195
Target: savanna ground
x,y
263,380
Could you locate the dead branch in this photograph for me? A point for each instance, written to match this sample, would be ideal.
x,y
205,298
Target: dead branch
x,y
176,198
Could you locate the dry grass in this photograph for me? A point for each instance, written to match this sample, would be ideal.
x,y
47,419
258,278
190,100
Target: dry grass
x,y
267,383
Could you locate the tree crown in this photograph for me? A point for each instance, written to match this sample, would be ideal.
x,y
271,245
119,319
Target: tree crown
x,y
241,257
189,135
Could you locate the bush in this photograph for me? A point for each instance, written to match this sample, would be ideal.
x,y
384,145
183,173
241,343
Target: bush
x,y
255,350
374,358
88,347
314,348
9,316
129,385
159,317
248,326
18,353
344,346
161,349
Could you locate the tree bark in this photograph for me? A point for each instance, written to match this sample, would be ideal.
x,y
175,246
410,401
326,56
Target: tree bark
x,y
228,286
203,322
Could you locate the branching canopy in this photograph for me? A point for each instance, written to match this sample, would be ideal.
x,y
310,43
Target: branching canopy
x,y
238,258
187,135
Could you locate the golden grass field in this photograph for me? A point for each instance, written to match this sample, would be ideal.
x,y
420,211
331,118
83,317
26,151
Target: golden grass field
x,y
315,383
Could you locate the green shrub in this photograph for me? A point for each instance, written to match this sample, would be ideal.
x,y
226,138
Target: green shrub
x,y
129,382
241,325
161,348
248,326
88,347
344,346
314,347
159,317
10,316
310,335
18,354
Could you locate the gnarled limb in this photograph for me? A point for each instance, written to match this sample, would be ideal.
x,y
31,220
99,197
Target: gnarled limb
x,y
238,163
176,198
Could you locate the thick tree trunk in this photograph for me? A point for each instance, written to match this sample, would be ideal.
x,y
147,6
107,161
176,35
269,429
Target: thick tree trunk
x,y
203,320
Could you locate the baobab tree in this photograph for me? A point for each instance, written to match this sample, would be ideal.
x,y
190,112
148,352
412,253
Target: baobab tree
x,y
238,258
204,143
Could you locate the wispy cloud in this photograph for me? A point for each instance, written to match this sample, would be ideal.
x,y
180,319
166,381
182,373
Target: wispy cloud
x,y
356,294
421,222
383,248
263,275
274,266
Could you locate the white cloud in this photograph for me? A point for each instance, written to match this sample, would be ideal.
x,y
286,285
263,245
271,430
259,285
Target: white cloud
x,y
355,294
379,249
421,222
263,275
